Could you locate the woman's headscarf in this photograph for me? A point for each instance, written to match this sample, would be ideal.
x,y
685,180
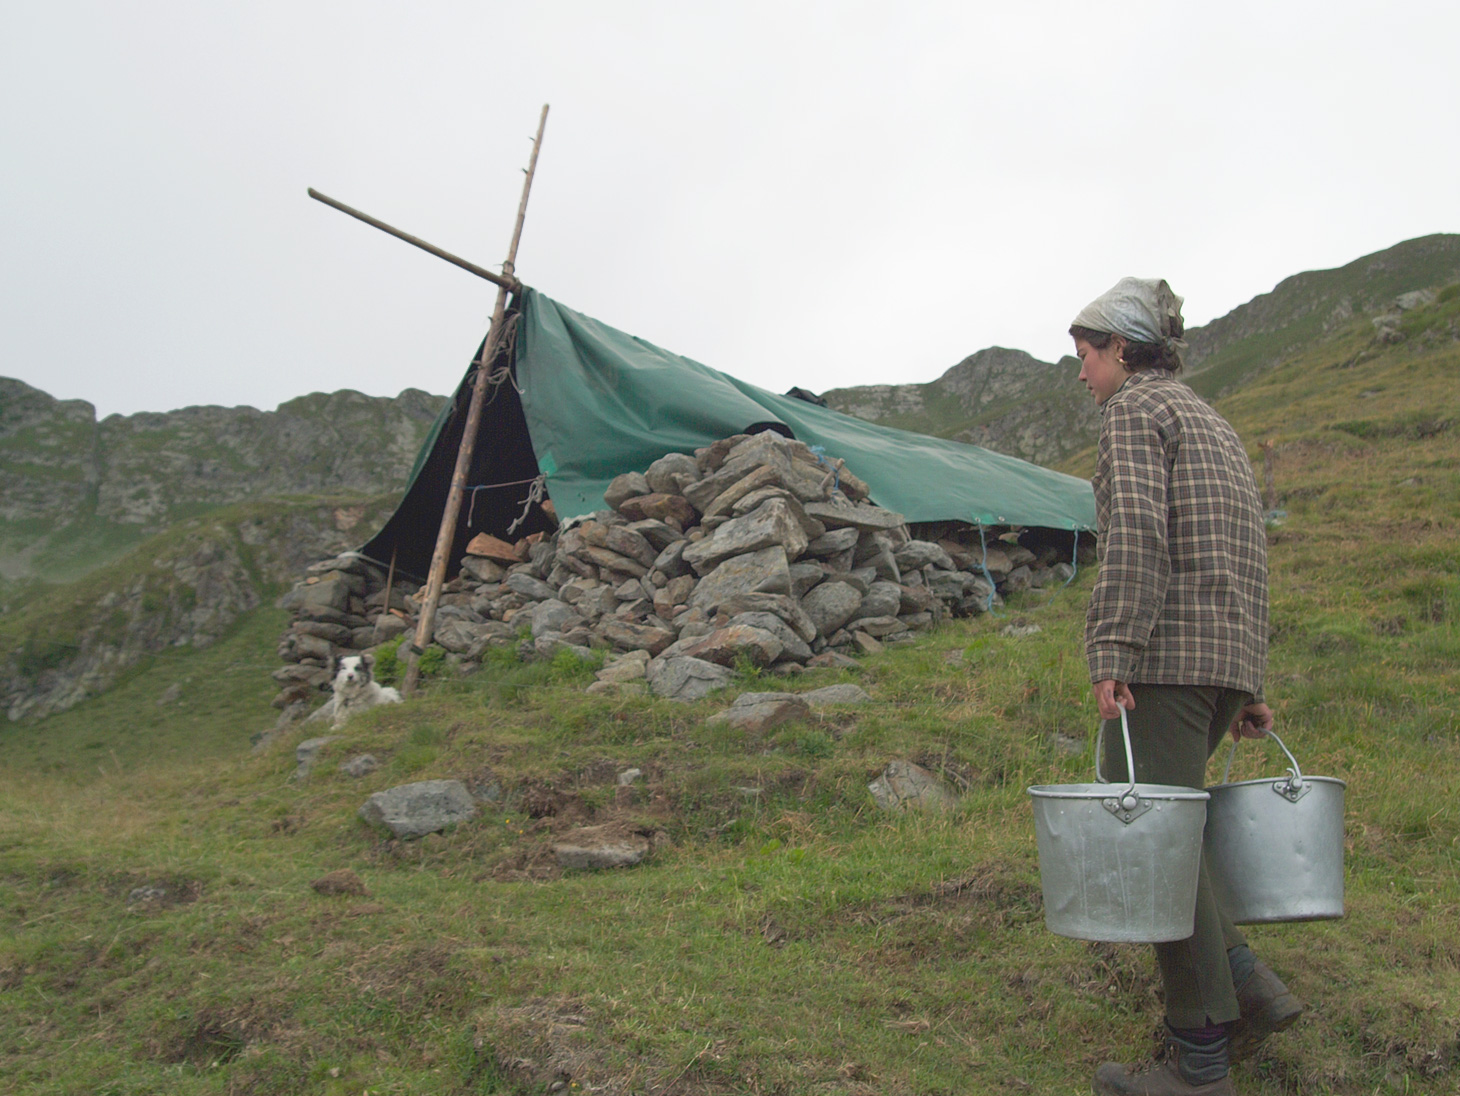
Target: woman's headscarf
x,y
1140,309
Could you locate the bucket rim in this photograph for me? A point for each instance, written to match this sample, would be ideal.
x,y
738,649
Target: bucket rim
x,y
1265,781
1105,791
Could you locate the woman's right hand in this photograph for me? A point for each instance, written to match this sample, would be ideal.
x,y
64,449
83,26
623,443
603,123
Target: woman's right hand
x,y
1111,696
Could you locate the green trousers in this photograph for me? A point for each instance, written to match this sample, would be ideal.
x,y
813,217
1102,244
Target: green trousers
x,y
1174,729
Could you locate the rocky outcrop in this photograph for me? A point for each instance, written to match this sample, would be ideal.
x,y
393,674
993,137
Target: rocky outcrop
x,y
188,589
133,475
1000,399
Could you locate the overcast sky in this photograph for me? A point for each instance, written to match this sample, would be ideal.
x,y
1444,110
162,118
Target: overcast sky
x,y
822,194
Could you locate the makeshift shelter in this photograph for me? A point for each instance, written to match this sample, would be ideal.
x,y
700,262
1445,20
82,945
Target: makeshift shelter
x,y
580,402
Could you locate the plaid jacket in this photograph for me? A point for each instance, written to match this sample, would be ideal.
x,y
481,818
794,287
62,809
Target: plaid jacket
x,y
1181,596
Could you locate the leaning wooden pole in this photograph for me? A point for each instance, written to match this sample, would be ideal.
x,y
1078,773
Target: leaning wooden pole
x,y
426,625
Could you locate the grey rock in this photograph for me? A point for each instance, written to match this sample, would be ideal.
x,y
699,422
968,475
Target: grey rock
x,y
600,848
863,516
688,679
831,605
414,810
549,644
658,533
626,542
754,713
628,636
624,487
906,786
529,587
832,542
359,765
671,560
553,615
782,605
845,693
803,577
669,474
726,645
1020,578
1020,630
832,660
765,571
306,754
916,554
792,646
629,777
482,569
772,524
881,599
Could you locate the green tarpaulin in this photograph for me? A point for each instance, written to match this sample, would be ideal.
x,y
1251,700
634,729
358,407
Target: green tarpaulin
x,y
591,402
599,402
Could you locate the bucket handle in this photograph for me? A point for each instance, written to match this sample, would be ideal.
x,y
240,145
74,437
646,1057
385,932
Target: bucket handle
x,y
1128,806
1292,787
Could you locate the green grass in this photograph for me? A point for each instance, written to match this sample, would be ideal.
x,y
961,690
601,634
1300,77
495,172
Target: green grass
x,y
785,936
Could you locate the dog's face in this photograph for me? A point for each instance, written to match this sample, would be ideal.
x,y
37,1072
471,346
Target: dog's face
x,y
354,673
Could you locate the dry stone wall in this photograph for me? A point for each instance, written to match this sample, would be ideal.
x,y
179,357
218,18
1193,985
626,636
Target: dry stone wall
x,y
752,551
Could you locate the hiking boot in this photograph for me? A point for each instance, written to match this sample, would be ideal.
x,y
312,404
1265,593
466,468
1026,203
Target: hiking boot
x,y
1267,1006
1182,1068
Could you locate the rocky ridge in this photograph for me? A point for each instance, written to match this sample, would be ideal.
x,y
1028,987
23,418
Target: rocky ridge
x,y
134,475
1013,403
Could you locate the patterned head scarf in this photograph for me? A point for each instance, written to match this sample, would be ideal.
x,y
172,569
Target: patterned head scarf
x,y
1139,309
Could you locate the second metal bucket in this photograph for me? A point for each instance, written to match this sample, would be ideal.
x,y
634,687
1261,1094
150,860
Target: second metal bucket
x,y
1119,863
1274,847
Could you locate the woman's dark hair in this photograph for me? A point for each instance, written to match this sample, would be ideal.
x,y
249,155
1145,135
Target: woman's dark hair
x,y
1138,355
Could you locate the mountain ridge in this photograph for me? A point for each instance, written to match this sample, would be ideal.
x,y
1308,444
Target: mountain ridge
x,y
1009,401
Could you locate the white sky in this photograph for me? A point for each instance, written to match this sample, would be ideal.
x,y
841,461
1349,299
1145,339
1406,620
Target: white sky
x,y
823,194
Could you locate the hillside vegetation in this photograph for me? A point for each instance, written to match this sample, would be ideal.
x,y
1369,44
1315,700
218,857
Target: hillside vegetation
x,y
161,934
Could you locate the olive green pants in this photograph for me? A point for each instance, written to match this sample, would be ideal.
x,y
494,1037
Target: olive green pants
x,y
1174,729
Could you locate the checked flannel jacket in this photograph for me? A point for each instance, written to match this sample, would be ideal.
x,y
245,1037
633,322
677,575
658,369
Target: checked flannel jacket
x,y
1181,596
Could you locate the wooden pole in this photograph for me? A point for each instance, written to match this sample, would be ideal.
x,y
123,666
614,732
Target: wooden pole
x,y
505,281
426,626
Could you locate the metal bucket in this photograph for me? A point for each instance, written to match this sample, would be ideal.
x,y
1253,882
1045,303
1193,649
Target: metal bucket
x,y
1119,865
1274,848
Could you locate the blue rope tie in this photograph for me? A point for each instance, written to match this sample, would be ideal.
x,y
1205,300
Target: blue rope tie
x,y
983,565
819,452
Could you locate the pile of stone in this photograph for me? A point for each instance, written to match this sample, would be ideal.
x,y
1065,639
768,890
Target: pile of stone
x,y
753,551
339,608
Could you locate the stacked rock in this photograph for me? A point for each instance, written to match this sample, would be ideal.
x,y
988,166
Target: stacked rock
x,y
753,551
340,607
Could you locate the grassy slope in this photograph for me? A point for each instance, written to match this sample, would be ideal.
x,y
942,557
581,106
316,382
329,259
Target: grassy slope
x,y
795,941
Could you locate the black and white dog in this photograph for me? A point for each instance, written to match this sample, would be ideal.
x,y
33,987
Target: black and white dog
x,y
356,690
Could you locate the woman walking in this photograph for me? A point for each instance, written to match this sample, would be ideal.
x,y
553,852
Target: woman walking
x,y
1177,635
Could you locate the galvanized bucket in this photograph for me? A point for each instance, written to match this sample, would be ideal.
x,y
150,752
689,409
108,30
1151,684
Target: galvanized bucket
x,y
1119,865
1274,848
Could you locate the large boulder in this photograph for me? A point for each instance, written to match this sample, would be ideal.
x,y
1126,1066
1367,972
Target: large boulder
x,y
754,713
771,524
765,571
686,679
414,810
726,645
906,786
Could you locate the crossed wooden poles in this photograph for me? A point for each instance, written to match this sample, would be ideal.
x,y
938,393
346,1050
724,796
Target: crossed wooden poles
x,y
506,284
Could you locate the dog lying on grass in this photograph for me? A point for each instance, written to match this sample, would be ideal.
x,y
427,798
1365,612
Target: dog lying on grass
x,y
355,690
